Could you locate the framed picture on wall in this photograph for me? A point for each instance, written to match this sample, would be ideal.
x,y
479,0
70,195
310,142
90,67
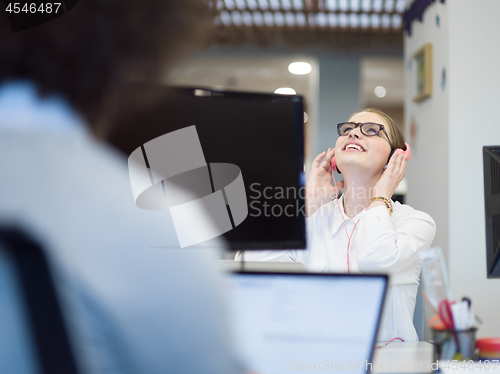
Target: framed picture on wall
x,y
422,73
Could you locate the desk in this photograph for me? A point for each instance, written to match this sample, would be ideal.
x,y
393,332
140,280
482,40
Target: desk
x,y
417,357
407,357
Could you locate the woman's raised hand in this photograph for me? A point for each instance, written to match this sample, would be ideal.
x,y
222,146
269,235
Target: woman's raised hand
x,y
319,189
392,176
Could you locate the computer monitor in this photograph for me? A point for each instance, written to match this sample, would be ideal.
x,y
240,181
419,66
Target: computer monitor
x,y
491,167
260,133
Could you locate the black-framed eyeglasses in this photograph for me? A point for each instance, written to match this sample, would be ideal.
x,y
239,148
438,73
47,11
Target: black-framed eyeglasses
x,y
367,128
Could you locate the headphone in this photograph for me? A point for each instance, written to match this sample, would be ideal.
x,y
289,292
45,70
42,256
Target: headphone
x,y
407,152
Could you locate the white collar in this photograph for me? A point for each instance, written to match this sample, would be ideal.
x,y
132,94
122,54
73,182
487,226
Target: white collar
x,y
339,215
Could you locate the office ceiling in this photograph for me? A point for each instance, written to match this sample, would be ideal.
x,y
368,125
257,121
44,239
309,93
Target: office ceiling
x,y
266,74
386,72
330,24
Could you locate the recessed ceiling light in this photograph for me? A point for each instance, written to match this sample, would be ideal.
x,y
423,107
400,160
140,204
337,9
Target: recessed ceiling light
x,y
380,91
285,91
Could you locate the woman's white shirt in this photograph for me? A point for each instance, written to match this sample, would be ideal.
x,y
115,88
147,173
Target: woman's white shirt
x,y
380,243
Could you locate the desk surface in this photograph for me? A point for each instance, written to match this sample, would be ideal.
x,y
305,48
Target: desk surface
x,y
407,357
416,357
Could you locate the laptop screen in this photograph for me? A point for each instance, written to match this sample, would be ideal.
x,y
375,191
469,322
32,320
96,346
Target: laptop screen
x,y
294,322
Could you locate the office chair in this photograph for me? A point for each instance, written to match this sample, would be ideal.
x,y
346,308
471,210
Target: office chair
x,y
419,314
33,330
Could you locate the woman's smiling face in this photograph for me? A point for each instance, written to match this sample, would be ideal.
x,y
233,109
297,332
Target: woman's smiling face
x,y
359,150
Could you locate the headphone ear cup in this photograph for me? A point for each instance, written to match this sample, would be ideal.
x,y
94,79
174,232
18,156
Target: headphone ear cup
x,y
407,151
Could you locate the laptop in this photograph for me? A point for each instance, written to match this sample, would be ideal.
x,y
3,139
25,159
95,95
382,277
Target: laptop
x,y
289,322
33,337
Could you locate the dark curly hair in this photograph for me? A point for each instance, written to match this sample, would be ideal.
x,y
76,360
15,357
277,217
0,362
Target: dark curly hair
x,y
92,50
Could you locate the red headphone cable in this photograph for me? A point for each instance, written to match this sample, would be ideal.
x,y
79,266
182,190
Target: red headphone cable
x,y
345,227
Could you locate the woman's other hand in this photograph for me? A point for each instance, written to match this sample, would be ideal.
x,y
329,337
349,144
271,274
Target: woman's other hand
x,y
319,189
392,176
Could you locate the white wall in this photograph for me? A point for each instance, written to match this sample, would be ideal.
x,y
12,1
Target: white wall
x,y
474,122
427,171
445,177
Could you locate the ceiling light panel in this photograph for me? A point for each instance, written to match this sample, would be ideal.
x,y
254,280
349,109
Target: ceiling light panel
x,y
355,5
290,19
247,18
332,20
275,4
298,4
331,5
364,20
386,21
377,5
343,20
343,5
353,20
252,4
397,21
229,4
366,5
263,4
301,19
225,18
257,18
339,13
321,19
236,17
240,4
389,6
268,19
279,19
287,4
400,6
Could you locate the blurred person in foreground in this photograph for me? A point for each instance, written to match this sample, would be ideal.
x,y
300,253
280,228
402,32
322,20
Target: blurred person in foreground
x,y
133,300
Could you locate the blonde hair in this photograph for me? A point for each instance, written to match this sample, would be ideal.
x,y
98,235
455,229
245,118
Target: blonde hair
x,y
396,136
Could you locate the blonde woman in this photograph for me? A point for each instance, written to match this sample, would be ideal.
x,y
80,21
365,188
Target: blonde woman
x,y
364,230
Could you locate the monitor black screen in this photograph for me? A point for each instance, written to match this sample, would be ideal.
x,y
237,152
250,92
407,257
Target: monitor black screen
x,y
491,166
260,133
